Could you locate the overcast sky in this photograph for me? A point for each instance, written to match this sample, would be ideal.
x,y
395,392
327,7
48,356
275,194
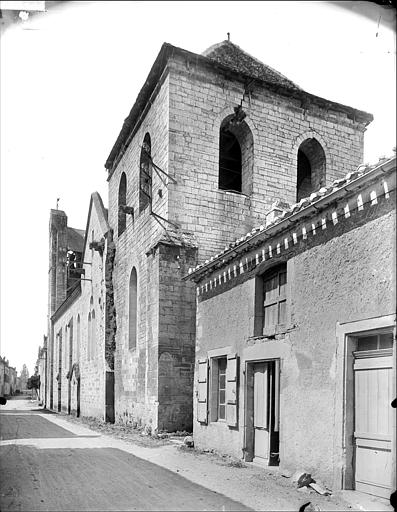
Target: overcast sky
x,y
70,76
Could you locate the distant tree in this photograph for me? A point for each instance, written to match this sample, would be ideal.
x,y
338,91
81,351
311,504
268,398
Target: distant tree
x,y
33,382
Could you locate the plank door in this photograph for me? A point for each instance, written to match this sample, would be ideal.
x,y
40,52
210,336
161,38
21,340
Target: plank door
x,y
373,422
262,412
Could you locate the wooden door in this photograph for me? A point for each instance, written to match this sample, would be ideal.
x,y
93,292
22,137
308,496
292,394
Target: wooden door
x,y
373,421
261,411
265,423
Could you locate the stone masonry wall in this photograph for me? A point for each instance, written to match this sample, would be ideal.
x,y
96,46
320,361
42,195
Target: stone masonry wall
x,y
200,99
91,371
136,399
176,338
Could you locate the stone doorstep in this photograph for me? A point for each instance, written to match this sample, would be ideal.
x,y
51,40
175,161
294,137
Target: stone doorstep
x,y
366,502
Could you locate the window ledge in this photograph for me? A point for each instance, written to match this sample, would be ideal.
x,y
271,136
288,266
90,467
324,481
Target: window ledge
x,y
271,332
233,193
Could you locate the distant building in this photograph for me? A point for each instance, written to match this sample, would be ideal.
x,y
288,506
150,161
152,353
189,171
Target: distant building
x,y
8,378
23,379
41,370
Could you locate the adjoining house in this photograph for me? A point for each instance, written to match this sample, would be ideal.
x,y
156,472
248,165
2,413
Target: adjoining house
x,y
296,329
8,378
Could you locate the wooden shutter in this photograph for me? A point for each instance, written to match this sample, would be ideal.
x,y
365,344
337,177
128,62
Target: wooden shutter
x,y
202,391
231,390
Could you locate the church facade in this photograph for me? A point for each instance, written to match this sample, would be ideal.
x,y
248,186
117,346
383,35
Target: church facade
x,y
215,146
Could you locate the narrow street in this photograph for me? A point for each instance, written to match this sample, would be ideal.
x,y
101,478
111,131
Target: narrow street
x,y
48,467
52,462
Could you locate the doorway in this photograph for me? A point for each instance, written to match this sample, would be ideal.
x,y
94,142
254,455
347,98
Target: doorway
x,y
373,390
263,397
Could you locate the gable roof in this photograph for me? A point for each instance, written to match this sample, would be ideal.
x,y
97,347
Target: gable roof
x,y
228,58
233,57
97,203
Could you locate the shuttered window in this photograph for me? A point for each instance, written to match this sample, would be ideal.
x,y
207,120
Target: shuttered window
x,y
223,389
202,391
275,298
231,390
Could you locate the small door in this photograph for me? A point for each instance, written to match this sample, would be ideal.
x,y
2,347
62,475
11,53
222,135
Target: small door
x,y
261,411
373,421
266,412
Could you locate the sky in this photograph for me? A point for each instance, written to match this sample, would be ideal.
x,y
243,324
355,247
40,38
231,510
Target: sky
x,y
69,77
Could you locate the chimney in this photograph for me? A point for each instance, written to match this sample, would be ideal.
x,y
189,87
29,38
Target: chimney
x,y
277,208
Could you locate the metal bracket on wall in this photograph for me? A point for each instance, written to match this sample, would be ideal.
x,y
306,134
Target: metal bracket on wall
x,y
159,173
158,169
79,279
160,218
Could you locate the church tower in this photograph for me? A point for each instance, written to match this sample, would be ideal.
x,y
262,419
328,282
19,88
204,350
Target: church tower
x,y
212,142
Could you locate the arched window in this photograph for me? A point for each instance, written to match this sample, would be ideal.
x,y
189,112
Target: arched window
x,y
89,337
60,352
145,174
70,355
235,156
65,351
132,312
121,203
93,335
311,168
78,335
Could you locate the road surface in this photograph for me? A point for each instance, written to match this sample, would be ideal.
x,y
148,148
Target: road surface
x,y
47,467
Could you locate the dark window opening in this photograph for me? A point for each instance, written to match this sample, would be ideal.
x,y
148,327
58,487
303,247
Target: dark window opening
x,y
229,162
304,179
122,218
74,266
145,174
311,168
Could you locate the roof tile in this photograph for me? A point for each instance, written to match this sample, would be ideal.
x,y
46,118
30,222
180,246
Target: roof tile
x,y
232,56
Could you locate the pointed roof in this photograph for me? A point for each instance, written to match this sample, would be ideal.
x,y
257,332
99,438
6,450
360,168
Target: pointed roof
x,y
226,57
102,213
233,57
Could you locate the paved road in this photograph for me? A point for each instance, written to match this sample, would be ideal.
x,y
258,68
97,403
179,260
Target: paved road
x,y
47,467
